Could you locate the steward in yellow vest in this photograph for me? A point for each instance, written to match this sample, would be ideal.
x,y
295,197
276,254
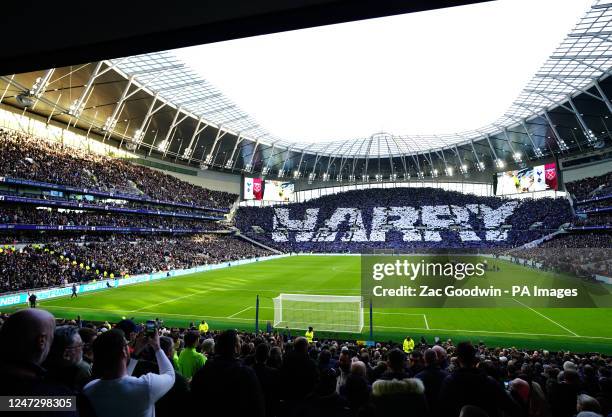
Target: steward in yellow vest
x,y
408,344
309,335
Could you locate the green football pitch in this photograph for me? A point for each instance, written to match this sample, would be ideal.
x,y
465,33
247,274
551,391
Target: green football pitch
x,y
226,298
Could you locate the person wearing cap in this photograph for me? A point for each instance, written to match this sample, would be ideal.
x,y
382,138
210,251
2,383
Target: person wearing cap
x,y
129,328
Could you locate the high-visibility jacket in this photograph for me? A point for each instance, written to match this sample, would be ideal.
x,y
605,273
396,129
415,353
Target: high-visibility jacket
x,y
309,336
203,327
408,345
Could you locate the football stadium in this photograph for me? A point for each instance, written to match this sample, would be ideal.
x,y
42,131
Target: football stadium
x,y
316,208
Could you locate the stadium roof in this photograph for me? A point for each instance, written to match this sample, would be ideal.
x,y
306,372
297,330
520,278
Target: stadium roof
x,y
583,56
153,104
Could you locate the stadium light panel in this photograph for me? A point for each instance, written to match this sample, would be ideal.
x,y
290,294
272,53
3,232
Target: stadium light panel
x,y
163,145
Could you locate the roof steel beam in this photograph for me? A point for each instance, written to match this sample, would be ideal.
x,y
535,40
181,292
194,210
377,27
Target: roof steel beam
x,y
603,95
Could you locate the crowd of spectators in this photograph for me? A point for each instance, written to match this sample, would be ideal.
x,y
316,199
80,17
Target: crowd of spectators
x,y
590,187
65,262
27,157
125,370
526,220
13,214
594,220
72,200
582,253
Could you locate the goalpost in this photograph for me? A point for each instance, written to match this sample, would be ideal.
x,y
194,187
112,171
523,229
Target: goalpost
x,y
334,313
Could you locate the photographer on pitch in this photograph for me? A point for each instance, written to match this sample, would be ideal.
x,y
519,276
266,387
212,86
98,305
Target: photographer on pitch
x,y
116,393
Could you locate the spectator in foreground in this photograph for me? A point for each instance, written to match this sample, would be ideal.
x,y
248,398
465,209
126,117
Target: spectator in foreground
x,y
396,363
468,385
116,393
562,394
190,361
299,373
356,390
25,341
472,411
269,378
588,403
394,397
88,336
432,377
225,382
176,401
65,363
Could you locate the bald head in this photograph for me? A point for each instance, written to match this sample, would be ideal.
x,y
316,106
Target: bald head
x,y
440,352
358,368
27,335
520,387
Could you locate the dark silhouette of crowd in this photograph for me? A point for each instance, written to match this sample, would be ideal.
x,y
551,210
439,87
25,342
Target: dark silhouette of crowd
x,y
64,262
27,157
126,369
530,220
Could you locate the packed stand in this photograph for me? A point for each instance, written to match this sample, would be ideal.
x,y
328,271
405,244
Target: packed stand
x,y
585,254
65,262
128,369
27,157
594,220
592,197
591,187
47,199
11,214
486,221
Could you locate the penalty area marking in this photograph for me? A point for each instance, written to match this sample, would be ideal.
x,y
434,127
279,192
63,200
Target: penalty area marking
x,y
241,311
547,318
171,300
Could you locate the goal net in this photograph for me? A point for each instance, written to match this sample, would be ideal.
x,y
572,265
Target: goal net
x,y
334,313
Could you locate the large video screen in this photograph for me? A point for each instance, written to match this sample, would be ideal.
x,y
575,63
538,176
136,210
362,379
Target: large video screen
x,y
252,189
528,180
278,191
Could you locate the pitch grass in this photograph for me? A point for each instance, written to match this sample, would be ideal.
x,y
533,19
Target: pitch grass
x,y
226,299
